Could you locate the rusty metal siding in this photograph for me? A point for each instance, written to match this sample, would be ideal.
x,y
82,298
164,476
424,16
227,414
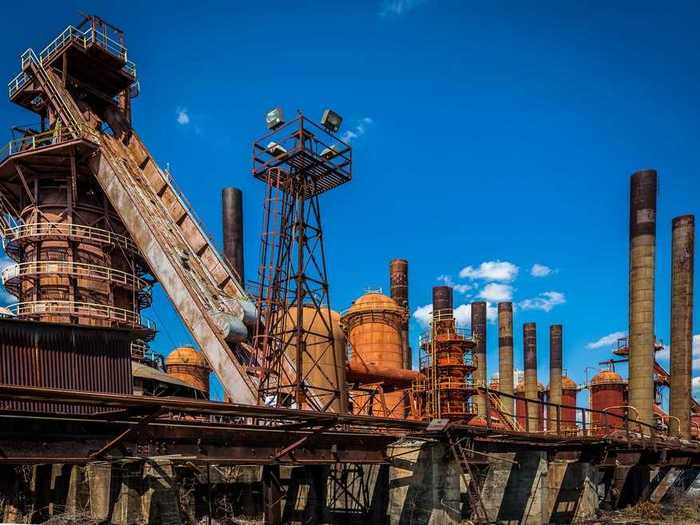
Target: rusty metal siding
x,y
89,359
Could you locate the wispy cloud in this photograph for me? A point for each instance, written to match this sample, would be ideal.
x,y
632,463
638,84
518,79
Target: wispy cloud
x,y
606,340
541,270
544,301
359,129
398,7
183,116
457,287
423,314
497,292
491,271
462,314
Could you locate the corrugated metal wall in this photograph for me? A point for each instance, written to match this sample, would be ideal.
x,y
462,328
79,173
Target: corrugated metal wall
x,y
63,356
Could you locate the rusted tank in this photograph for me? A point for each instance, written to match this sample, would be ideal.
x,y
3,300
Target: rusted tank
x,y
608,390
324,360
536,410
373,324
569,392
190,366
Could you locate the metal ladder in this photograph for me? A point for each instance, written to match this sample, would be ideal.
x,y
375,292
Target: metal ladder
x,y
508,419
203,289
470,475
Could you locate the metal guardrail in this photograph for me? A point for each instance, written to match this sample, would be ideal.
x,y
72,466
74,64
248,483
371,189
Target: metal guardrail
x,y
81,309
73,35
72,231
53,137
75,269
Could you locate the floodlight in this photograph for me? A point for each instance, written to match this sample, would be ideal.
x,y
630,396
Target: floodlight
x,y
274,118
331,120
329,152
276,150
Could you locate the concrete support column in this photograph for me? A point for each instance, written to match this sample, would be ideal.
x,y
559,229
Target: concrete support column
x,y
641,293
682,259
505,355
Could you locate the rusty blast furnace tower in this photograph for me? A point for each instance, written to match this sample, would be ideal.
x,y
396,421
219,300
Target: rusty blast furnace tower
x,y
299,357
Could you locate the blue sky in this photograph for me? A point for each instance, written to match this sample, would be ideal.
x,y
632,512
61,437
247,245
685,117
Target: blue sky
x,y
493,132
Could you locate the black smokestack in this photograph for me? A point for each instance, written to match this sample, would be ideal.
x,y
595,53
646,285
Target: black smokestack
x,y
232,213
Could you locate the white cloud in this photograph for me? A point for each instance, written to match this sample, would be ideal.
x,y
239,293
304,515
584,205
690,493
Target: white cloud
x,y
540,270
183,117
696,383
606,340
358,130
457,287
5,297
423,314
463,315
545,301
664,353
491,271
398,7
497,292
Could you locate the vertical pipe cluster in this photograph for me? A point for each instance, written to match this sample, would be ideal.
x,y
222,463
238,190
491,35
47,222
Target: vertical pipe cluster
x,y
398,281
682,256
505,355
641,293
555,366
478,318
232,215
531,392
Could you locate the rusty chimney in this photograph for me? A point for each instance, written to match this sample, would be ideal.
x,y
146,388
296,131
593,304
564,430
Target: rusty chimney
x,y
505,355
478,313
442,302
531,391
232,212
642,265
398,280
682,256
555,366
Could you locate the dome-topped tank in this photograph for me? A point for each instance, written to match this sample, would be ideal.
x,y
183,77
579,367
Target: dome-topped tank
x,y
190,366
569,392
373,325
608,389
520,409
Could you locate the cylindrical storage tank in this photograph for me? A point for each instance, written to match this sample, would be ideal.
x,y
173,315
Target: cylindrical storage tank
x,y
608,390
569,392
373,325
323,362
189,366
537,408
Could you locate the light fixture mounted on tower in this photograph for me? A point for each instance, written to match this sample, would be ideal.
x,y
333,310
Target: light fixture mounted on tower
x,y
331,120
274,118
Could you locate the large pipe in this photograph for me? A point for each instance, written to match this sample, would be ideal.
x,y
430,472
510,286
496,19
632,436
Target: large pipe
x,y
531,392
555,366
505,355
364,373
232,214
442,303
641,293
398,280
478,314
682,257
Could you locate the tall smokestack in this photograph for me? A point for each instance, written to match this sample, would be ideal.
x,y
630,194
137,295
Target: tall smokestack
x,y
232,212
641,289
555,365
505,355
478,310
531,391
682,257
398,280
442,302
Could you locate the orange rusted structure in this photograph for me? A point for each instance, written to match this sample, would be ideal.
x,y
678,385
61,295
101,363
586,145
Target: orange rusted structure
x,y
569,392
373,325
447,364
190,366
609,394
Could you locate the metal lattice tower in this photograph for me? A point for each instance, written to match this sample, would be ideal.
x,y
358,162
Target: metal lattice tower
x,y
300,364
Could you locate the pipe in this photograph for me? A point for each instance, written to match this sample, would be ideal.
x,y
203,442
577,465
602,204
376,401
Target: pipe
x,y
642,266
505,355
682,258
398,281
232,220
359,372
478,314
530,358
442,303
555,366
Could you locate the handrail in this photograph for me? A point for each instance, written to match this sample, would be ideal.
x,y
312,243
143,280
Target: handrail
x,y
82,309
53,137
78,231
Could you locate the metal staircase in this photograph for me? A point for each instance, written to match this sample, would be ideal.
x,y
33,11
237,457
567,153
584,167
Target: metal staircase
x,y
471,476
508,419
203,289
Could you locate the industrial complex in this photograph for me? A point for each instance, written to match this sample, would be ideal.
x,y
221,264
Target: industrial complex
x,y
325,417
